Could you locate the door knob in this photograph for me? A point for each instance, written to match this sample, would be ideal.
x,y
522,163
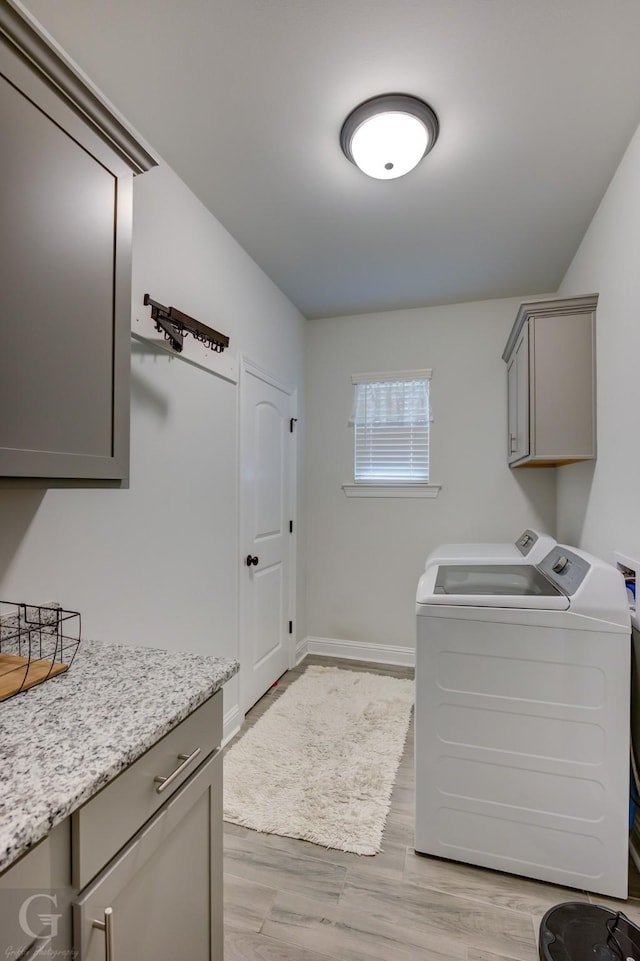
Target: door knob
x,y
252,560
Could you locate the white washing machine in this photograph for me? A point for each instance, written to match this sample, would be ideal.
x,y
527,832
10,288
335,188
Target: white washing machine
x,y
522,719
529,548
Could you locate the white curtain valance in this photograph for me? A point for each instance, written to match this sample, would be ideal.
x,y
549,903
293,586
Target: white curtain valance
x,y
394,403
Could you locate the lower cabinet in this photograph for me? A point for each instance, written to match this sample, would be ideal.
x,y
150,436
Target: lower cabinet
x,y
161,898
35,901
136,872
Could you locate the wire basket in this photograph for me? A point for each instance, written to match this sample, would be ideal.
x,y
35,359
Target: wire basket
x,y
36,642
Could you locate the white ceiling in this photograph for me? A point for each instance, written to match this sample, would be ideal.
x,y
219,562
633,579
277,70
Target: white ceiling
x,y
537,101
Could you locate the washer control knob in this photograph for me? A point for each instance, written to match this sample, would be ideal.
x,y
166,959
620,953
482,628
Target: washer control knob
x,y
560,564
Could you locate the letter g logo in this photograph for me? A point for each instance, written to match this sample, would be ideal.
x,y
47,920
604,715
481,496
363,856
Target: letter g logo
x,y
50,920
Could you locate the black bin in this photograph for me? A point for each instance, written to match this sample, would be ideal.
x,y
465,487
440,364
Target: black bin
x,y
576,931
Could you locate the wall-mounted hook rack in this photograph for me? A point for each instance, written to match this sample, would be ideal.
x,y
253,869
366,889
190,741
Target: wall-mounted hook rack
x,y
174,324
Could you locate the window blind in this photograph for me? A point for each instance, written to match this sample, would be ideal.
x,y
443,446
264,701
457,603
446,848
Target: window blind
x,y
391,423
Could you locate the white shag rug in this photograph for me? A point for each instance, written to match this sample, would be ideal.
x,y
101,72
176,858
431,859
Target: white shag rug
x,y
321,762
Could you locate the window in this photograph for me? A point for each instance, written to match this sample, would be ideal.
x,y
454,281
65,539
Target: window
x,y
391,419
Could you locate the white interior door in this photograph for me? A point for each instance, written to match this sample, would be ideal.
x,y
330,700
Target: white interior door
x,y
266,497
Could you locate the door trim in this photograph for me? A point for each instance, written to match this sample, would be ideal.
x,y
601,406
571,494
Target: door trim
x,y
248,366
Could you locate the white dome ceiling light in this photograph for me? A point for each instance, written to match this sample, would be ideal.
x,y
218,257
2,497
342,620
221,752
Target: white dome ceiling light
x,y
388,136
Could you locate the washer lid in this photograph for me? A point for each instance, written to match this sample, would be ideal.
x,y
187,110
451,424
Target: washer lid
x,y
531,545
490,585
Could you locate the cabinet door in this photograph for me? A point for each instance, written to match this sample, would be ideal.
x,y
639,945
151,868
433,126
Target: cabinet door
x,y
65,277
518,390
564,386
165,889
512,408
35,900
67,166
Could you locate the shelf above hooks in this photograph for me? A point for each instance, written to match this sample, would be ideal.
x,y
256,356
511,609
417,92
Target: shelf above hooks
x,y
174,325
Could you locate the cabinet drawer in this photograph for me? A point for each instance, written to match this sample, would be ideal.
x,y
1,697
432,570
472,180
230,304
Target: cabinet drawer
x,y
105,823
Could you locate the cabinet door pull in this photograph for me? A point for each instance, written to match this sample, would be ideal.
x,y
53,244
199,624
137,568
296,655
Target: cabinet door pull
x,y
107,927
187,759
513,443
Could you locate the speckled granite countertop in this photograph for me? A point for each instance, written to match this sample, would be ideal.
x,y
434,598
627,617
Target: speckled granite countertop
x,y
65,739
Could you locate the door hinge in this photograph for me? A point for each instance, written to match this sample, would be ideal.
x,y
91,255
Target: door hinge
x,y
291,527
292,421
290,627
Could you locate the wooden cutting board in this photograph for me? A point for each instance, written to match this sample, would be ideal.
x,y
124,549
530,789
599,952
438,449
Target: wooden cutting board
x,y
14,668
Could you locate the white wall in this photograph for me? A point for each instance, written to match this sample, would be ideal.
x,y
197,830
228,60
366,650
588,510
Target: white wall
x,y
364,555
158,564
598,503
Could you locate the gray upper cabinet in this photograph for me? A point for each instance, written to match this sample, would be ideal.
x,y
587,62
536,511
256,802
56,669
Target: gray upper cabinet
x,y
66,172
550,358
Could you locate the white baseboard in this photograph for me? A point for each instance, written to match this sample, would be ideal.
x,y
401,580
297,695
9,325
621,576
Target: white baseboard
x,y
302,649
359,651
231,724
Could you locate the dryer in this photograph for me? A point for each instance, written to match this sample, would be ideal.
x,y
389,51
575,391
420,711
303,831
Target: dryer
x,y
522,719
529,548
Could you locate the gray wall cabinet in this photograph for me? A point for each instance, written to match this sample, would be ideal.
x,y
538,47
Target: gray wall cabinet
x,y
66,172
551,385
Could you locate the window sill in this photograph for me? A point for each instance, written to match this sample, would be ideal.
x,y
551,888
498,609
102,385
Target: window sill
x,y
391,490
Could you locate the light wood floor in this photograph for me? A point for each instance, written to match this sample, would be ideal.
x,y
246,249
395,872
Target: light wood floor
x,y
289,900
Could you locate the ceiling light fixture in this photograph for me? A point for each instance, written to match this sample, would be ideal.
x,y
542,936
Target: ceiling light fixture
x,y
388,136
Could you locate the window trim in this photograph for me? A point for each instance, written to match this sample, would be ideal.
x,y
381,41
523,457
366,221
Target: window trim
x,y
391,375
391,488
